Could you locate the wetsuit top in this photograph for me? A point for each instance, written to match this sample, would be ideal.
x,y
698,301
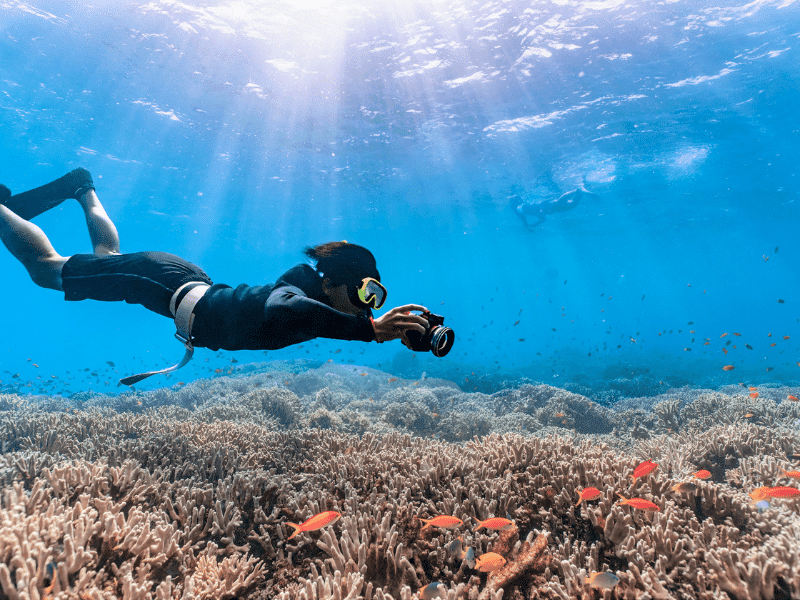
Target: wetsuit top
x,y
268,317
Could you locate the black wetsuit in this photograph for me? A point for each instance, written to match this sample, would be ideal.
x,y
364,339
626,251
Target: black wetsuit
x,y
264,317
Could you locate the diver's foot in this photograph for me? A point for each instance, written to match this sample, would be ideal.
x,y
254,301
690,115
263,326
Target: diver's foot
x,y
34,202
5,194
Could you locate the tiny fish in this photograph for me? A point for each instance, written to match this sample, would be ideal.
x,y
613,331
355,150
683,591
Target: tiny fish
x,y
318,521
748,415
751,388
737,334
728,368
445,521
496,523
391,379
725,350
456,547
754,395
772,344
517,323
792,398
643,469
468,557
684,487
748,346
702,474
786,337
723,335
589,493
431,591
760,493
641,504
780,301
782,492
491,561
605,581
559,415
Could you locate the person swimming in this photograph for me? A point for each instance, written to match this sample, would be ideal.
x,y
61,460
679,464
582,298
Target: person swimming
x,y
334,299
540,210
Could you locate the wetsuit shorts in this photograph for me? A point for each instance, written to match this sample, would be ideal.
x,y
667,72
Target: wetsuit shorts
x,y
146,278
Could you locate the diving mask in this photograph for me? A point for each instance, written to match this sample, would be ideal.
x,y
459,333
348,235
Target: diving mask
x,y
371,293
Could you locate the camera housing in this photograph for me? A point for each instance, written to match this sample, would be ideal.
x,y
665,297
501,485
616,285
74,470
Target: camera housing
x,y
437,338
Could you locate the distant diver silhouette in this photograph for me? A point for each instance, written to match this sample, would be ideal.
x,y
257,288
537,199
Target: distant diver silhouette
x,y
540,210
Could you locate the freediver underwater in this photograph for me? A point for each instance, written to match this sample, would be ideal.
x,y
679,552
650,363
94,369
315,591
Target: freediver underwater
x,y
540,210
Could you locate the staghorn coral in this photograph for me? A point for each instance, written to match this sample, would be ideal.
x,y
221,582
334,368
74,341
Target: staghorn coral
x,y
165,500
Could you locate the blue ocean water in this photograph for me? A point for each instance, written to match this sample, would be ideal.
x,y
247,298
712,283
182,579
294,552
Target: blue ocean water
x,y
235,133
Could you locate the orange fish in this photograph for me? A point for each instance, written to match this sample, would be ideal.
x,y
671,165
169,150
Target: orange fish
x,y
559,415
760,493
684,487
703,474
783,492
589,493
491,561
391,379
772,344
723,335
792,398
786,337
316,522
496,523
643,469
728,368
737,334
725,350
445,521
641,504
794,474
752,388
748,415
754,394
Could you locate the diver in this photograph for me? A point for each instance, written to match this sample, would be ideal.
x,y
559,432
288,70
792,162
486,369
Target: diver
x,y
334,299
540,210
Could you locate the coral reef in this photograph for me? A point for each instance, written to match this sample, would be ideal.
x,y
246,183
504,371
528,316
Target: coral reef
x,y
185,493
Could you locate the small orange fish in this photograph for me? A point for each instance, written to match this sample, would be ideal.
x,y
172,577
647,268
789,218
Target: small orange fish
x,y
792,398
318,521
559,415
794,474
748,415
491,561
702,474
728,368
496,523
444,521
754,394
723,335
391,379
725,350
684,487
752,389
783,492
641,504
737,334
786,337
589,493
760,493
772,344
643,469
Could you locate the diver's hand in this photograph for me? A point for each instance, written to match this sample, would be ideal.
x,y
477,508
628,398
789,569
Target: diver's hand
x,y
394,324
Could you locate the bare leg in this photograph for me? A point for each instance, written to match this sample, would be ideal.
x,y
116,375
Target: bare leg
x,y
30,246
103,233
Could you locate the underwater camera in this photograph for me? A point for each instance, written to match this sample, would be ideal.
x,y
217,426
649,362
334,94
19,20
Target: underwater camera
x,y
437,338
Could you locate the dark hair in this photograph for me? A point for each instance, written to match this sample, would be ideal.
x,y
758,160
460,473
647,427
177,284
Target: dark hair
x,y
343,263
